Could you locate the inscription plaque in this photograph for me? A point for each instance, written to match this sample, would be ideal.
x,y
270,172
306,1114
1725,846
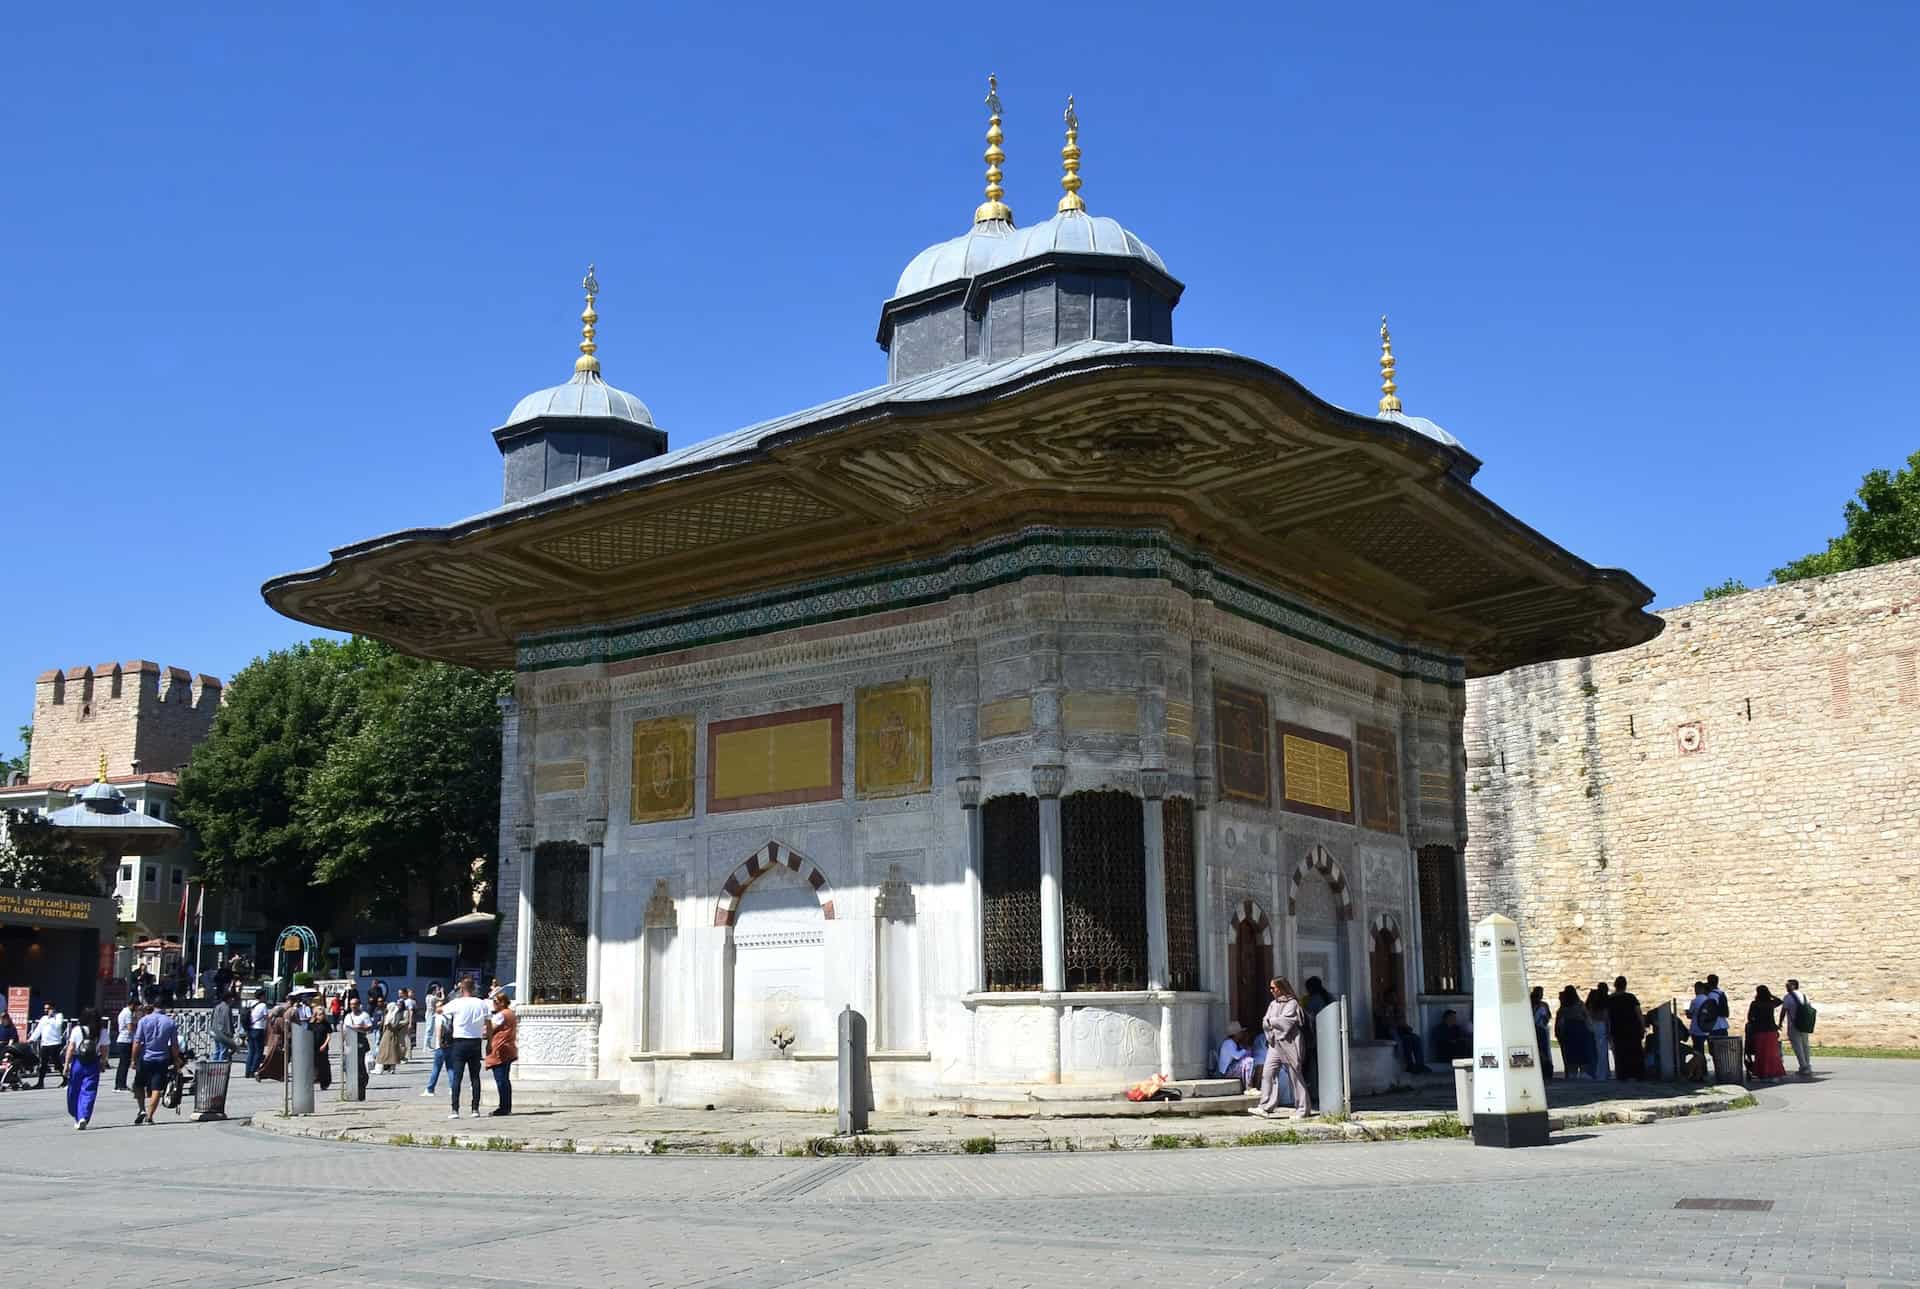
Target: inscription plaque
x,y
1316,773
662,769
1240,733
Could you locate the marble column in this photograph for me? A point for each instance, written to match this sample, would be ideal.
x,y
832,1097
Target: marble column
x,y
596,835
968,791
1201,656
1153,790
1048,780
523,944
963,751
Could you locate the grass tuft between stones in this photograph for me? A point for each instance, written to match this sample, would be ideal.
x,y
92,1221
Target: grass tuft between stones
x,y
979,1145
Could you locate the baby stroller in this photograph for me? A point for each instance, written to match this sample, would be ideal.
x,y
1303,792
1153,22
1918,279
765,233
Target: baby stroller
x,y
16,1063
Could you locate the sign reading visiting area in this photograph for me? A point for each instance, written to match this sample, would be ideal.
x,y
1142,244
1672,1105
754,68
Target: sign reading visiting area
x,y
1316,775
893,733
37,908
662,769
780,760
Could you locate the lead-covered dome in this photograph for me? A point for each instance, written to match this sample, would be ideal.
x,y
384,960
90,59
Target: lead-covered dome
x,y
585,395
1078,232
980,248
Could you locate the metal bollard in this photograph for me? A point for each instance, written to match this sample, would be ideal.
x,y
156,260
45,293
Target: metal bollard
x,y
299,1069
856,1086
353,1069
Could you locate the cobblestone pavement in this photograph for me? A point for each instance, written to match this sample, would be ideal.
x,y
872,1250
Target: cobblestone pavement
x,y
222,1206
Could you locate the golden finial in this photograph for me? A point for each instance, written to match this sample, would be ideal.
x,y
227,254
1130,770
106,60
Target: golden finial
x,y
1070,159
993,208
103,768
586,362
1389,401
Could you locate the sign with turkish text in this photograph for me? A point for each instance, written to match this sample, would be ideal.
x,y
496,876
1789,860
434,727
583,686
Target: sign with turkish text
x,y
38,908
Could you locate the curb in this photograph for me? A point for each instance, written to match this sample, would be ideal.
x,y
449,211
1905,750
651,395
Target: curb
x,y
1278,1132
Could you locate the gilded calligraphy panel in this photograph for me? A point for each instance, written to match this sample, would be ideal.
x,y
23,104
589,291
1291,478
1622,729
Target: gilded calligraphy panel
x,y
662,769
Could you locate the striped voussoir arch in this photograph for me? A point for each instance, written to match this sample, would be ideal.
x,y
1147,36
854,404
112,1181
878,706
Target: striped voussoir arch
x,y
1256,917
750,869
1387,925
1321,860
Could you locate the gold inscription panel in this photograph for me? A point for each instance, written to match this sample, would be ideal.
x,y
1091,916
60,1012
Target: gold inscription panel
x,y
559,776
1180,721
1316,773
778,760
1008,716
662,769
893,739
1240,734
1101,714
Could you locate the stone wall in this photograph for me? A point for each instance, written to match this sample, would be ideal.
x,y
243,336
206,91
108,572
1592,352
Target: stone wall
x,y
143,717
1740,795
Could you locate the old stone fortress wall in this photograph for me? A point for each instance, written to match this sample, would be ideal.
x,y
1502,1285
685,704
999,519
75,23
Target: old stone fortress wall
x,y
142,717
1740,795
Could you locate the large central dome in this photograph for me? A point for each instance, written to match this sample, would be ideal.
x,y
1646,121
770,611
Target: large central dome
x,y
998,291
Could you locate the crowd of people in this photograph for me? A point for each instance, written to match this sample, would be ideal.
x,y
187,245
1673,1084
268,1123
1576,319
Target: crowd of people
x,y
142,1042
1605,1034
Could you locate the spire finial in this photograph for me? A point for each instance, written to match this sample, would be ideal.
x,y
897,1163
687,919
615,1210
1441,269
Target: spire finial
x,y
1389,401
993,208
103,767
1070,160
586,362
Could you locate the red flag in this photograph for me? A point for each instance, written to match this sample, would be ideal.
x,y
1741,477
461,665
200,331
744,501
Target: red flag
x,y
184,892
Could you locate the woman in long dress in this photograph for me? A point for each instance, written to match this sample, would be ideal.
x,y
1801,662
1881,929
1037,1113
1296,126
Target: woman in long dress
x,y
1763,1035
1284,1026
1575,1035
393,1037
273,1060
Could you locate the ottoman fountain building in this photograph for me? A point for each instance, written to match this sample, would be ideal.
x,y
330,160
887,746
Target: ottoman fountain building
x,y
1039,703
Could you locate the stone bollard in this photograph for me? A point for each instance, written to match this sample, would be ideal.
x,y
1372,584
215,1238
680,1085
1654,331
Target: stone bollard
x,y
299,1069
1463,1092
856,1086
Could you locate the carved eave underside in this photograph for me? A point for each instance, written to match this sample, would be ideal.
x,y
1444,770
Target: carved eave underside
x,y
1377,524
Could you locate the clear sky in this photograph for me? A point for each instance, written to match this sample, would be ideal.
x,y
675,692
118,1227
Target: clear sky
x,y
267,282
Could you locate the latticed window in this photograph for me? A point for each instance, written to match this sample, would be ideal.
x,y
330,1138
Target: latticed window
x,y
1183,924
1010,891
1440,916
560,896
1104,885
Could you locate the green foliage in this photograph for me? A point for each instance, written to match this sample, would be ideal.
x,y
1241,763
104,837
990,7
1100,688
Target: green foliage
x,y
1169,1141
1882,525
979,1145
1719,591
1746,1102
1446,1126
10,765
1270,1137
347,767
301,978
1885,1053
40,857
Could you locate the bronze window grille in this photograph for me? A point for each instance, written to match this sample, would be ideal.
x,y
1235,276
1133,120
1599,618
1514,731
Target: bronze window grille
x,y
1010,892
1183,919
560,901
1103,883
1440,917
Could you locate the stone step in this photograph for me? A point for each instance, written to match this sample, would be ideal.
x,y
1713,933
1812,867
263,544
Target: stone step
x,y
1104,1108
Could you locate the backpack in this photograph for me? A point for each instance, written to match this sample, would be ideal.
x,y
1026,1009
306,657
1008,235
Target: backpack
x,y
1706,1011
1805,1020
88,1048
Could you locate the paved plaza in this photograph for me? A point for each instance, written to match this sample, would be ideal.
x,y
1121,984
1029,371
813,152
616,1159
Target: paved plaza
x,y
221,1206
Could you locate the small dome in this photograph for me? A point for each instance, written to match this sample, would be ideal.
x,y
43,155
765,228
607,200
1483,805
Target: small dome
x,y
1422,426
973,252
102,796
585,395
1082,233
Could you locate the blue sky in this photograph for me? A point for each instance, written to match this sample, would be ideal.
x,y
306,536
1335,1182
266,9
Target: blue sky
x,y
267,282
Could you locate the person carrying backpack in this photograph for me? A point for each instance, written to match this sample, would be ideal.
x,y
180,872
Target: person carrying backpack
x,y
1798,1015
85,1056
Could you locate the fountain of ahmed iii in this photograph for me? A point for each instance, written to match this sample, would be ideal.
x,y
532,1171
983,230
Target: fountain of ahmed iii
x,y
1039,703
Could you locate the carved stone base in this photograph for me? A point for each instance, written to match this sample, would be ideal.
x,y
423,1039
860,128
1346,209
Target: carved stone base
x,y
558,1041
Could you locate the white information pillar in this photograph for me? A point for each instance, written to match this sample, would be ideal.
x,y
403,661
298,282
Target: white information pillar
x,y
1509,1094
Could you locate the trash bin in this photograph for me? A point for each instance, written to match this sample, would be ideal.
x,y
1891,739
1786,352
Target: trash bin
x,y
1728,1052
210,1089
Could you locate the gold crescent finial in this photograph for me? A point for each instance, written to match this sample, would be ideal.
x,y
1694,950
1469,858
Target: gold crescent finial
x,y
1072,203
993,208
1389,400
103,768
586,362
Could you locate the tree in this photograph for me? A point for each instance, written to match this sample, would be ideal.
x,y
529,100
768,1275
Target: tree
x,y
1732,586
401,807
1882,525
359,778
37,856
12,765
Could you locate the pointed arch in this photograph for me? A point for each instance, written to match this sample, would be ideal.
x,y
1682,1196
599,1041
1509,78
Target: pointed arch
x,y
1385,928
1255,917
1320,860
750,869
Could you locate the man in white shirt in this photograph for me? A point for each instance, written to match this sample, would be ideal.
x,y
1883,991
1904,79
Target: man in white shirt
x,y
1790,1016
466,1021
122,1049
256,1032
50,1035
